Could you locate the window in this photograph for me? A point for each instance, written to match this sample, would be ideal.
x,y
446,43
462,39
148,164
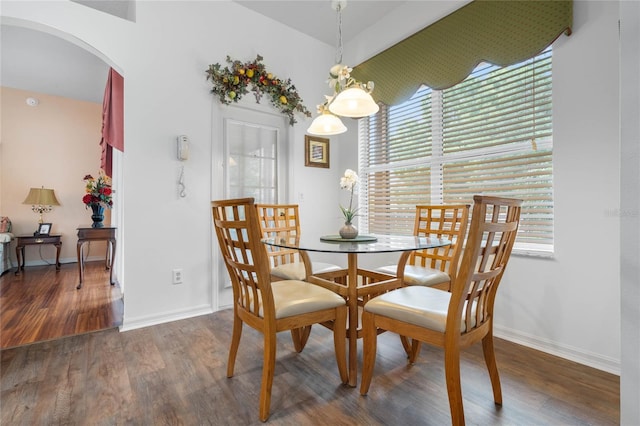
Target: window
x,y
490,134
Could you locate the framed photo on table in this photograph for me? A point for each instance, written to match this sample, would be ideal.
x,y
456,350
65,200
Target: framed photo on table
x,y
316,151
44,229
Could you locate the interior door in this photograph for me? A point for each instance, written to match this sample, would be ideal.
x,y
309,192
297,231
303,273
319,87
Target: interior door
x,y
254,164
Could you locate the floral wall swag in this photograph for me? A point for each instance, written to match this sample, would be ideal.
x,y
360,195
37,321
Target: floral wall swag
x,y
235,80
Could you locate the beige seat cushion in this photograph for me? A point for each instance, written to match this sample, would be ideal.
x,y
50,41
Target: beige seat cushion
x,y
293,297
295,270
423,306
418,275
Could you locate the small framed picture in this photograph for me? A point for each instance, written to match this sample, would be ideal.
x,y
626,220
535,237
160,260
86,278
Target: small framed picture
x,y
44,229
316,152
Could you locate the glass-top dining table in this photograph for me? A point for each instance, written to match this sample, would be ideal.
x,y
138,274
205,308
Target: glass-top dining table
x,y
355,284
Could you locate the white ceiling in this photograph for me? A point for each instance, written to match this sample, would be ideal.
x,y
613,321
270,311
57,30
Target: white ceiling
x,y
72,72
319,18
125,9
39,62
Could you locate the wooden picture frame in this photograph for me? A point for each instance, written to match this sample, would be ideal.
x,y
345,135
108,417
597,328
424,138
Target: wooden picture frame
x,y
44,229
316,151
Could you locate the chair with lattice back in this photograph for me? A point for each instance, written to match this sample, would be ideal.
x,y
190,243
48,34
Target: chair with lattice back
x,y
283,221
434,267
457,319
267,306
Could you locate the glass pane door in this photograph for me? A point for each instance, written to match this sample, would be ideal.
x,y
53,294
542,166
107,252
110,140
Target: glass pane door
x,y
251,157
252,161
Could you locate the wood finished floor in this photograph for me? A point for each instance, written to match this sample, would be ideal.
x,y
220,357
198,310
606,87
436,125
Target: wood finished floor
x,y
175,374
42,304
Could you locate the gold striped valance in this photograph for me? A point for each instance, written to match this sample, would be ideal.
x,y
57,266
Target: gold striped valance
x,y
444,53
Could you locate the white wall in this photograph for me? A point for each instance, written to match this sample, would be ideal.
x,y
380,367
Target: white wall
x,y
567,305
630,211
571,303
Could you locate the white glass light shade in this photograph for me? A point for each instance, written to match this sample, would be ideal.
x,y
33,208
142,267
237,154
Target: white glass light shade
x,y
353,102
326,124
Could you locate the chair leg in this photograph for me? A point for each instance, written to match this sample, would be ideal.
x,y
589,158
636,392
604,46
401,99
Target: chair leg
x,y
415,350
411,347
406,344
340,342
235,342
268,369
490,360
454,388
300,337
369,347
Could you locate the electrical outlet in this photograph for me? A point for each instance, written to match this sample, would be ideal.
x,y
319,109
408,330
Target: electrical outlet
x,y
177,276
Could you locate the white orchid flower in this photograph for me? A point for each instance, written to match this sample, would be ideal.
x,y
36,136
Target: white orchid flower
x,y
348,182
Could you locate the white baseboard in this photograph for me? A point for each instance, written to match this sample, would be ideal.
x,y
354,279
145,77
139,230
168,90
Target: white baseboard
x,y
141,322
610,365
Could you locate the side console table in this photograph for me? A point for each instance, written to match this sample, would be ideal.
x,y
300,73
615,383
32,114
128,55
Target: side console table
x,y
30,240
89,233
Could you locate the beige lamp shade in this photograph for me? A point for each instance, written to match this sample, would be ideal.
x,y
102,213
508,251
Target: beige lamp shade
x,y
326,124
41,196
42,200
353,102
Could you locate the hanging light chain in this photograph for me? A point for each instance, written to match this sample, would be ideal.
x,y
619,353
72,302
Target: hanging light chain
x,y
354,104
338,57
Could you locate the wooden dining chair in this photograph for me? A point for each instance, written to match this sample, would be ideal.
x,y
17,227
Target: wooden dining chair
x,y
283,220
269,307
434,267
457,319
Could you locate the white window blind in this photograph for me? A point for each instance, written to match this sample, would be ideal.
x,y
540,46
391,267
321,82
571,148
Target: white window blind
x,y
490,134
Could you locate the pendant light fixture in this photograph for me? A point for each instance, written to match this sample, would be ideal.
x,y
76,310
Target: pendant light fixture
x,y
351,98
327,124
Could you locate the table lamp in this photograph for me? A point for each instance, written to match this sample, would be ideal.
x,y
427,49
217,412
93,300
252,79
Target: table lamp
x,y
42,200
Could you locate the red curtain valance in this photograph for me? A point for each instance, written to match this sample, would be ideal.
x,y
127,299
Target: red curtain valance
x,y
112,119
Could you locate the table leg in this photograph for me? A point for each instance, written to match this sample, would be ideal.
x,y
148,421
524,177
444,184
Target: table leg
x,y
352,301
107,256
111,258
80,263
19,250
58,247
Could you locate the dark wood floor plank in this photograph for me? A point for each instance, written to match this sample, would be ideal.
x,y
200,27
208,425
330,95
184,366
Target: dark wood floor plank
x,y
109,380
71,371
175,374
138,342
18,403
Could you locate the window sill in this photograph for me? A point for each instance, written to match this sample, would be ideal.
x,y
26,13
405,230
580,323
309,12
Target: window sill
x,y
533,250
